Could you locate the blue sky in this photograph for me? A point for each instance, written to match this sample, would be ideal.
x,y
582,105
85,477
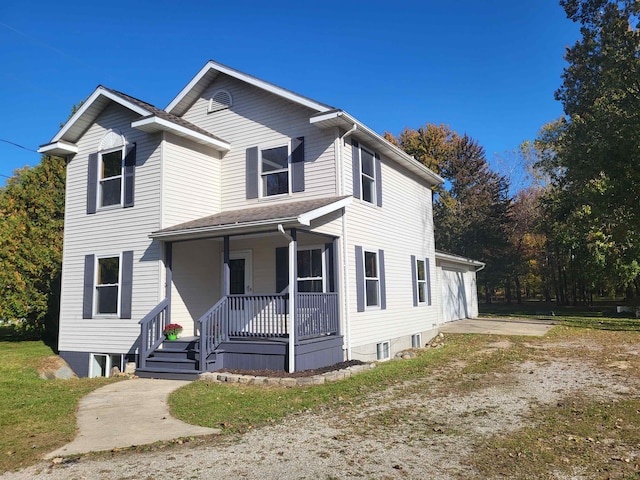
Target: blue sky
x,y
487,68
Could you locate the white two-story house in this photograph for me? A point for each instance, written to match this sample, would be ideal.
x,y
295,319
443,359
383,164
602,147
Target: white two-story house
x,y
279,232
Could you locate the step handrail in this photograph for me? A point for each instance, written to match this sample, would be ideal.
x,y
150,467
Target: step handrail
x,y
151,330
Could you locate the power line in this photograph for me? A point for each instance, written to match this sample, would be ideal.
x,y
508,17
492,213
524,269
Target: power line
x,y
18,145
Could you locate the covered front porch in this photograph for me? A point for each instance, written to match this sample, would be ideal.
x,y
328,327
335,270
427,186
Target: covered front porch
x,y
248,298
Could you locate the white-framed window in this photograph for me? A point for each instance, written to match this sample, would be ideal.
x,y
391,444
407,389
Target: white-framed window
x,y
371,279
383,351
416,340
107,285
110,175
421,281
275,166
101,364
368,176
311,266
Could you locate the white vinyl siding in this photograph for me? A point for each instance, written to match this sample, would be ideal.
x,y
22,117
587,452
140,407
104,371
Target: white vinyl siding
x,y
108,231
196,281
396,229
190,181
259,118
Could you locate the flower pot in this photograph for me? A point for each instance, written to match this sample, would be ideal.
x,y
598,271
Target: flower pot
x,y
172,336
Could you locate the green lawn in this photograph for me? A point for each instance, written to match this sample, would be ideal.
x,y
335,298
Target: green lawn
x,y
601,316
36,416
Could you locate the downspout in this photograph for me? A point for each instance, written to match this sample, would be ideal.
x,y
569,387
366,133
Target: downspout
x,y
345,261
291,327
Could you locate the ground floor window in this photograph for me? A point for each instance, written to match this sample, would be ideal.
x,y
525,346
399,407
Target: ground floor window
x,y
107,285
102,364
311,270
372,281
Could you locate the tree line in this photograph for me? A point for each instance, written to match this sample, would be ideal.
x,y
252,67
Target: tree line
x,y
571,235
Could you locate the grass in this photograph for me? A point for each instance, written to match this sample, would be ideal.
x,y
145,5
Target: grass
x,y
237,408
600,316
36,416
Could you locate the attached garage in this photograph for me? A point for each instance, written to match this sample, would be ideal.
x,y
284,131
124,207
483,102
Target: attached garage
x,y
457,279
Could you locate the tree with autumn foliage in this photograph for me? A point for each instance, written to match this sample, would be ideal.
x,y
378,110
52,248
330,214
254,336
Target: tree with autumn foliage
x,y
31,229
471,211
592,154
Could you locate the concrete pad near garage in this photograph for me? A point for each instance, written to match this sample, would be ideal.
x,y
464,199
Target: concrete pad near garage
x,y
128,413
499,326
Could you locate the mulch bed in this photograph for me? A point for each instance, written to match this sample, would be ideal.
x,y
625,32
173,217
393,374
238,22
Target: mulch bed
x,y
303,373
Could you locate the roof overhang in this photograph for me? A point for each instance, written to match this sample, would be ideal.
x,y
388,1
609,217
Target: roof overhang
x,y
270,224
73,129
341,119
154,124
211,70
58,149
459,260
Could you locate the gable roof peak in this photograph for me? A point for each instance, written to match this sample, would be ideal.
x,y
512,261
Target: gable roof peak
x,y
181,103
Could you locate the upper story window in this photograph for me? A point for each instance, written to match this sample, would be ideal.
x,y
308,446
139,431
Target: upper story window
x,y
367,178
274,170
111,173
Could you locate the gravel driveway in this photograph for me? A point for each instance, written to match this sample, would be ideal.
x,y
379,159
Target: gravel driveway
x,y
427,428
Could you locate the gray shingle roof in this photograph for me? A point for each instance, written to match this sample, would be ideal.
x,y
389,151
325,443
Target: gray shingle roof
x,y
263,213
156,112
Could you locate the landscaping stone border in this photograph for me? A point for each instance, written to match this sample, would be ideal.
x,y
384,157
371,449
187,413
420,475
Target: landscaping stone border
x,y
286,381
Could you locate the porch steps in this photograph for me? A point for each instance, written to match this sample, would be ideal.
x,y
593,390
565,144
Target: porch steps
x,y
175,360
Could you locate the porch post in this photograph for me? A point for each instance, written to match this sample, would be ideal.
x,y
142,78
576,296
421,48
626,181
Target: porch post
x,y
168,265
337,286
293,293
226,276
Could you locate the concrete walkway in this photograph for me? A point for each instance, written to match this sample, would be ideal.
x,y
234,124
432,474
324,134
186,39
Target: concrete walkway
x,y
127,413
499,326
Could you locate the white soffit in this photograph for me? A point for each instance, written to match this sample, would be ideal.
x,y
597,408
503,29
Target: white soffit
x,y
155,124
90,110
340,118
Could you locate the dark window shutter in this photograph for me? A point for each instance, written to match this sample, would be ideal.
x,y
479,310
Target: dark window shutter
x,y
428,272
92,183
414,281
297,164
282,268
87,297
378,181
126,288
330,267
129,174
383,283
360,278
355,159
252,172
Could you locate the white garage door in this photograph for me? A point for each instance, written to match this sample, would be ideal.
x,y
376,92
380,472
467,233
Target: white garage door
x,y
454,295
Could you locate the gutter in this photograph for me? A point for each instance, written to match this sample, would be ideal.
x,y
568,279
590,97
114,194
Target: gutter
x,y
345,257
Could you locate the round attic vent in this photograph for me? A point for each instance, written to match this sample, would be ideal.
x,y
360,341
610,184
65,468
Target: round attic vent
x,y
220,100
110,140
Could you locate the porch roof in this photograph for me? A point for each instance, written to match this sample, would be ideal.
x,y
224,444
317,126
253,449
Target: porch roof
x,y
256,219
